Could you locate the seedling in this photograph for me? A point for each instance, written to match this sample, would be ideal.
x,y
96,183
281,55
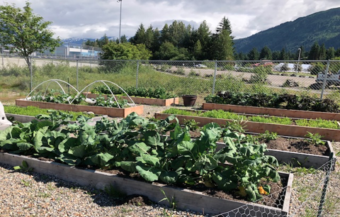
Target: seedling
x,y
267,136
23,167
315,138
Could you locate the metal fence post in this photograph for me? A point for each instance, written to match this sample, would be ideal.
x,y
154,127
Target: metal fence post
x,y
137,74
31,71
77,74
324,190
213,89
324,80
2,56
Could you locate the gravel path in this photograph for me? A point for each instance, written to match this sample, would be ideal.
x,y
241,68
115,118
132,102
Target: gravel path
x,y
33,194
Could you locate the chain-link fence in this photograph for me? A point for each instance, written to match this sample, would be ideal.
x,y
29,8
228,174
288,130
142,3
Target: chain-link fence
x,y
318,78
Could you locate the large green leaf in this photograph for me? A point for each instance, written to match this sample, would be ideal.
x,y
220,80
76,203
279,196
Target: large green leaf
x,y
129,166
152,138
65,145
169,177
139,148
101,159
148,159
69,159
225,180
185,147
78,151
24,146
150,174
5,134
38,140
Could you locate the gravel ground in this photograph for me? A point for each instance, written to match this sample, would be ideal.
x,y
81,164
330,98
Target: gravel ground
x,y
34,194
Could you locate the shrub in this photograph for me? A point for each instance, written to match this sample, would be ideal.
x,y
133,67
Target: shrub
x,y
284,67
260,76
314,69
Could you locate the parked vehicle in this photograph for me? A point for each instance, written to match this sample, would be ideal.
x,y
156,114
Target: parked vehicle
x,y
332,79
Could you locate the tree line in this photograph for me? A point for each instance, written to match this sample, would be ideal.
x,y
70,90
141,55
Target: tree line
x,y
178,41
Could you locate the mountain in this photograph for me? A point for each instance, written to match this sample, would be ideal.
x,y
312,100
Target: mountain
x,y
323,27
80,41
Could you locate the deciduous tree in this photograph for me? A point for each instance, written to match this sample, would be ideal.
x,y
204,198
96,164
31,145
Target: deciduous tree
x,y
25,31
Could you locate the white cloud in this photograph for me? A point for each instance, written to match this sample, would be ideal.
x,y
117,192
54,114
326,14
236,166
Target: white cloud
x,y
92,19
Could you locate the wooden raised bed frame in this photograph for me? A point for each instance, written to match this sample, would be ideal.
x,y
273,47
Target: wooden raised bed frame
x,y
272,111
256,127
185,199
112,112
142,100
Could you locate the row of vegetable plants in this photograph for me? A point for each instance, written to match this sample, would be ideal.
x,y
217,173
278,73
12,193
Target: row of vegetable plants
x,y
274,100
34,111
157,92
136,145
319,123
54,96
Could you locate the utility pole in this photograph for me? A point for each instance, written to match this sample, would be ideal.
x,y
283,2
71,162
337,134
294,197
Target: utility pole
x,y
120,20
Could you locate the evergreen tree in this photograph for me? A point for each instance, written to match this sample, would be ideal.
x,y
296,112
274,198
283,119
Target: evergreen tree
x,y
314,52
165,35
337,52
139,37
322,54
203,35
330,53
283,55
266,53
224,25
276,55
223,46
149,38
253,54
198,50
156,41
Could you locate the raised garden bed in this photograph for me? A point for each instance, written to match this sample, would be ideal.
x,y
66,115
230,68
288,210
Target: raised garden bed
x,y
256,127
293,151
142,100
272,111
112,112
185,199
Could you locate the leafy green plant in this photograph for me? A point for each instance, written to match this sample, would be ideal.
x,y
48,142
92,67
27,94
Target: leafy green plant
x,y
34,111
191,124
268,136
315,138
274,100
274,120
23,167
319,123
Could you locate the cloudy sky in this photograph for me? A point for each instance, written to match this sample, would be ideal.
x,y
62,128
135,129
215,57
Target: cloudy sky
x,y
94,18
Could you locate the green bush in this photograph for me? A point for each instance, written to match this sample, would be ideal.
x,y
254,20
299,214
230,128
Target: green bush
x,y
316,68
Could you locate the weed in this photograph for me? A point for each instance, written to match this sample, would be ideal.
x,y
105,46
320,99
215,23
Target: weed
x,y
172,201
26,183
44,194
24,167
